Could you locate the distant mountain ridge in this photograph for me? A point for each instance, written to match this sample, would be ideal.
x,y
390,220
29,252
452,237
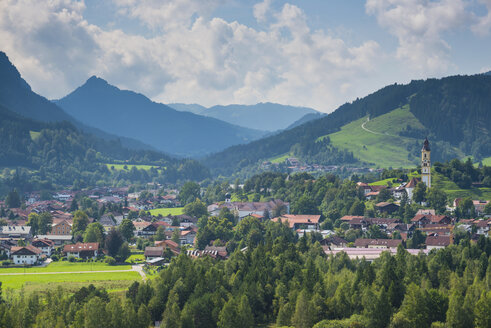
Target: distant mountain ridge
x,y
133,115
454,112
17,96
262,116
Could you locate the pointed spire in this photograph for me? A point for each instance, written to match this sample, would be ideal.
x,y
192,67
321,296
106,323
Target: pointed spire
x,y
426,145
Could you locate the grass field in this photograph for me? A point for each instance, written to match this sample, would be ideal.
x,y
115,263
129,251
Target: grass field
x,y
280,159
34,135
110,280
67,267
120,167
167,211
486,161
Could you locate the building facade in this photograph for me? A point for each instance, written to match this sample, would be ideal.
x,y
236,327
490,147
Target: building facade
x,y
426,164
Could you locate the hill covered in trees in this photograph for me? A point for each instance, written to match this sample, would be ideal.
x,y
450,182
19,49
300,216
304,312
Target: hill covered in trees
x,y
454,113
56,153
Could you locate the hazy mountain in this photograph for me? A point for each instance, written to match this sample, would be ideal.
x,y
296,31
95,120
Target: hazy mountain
x,y
133,115
306,118
193,108
17,96
454,112
263,116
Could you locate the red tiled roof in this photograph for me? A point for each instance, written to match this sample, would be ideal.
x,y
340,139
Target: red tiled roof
x,y
362,242
73,248
438,240
297,219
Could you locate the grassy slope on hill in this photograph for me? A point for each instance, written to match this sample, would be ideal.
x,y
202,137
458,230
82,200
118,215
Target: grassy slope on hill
x,y
120,167
384,147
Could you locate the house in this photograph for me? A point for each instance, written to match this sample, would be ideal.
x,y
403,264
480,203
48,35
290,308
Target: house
x,y
410,187
243,209
377,243
82,250
479,205
424,219
108,222
56,239
139,226
16,232
385,207
211,251
482,226
173,246
45,245
152,252
334,241
25,254
437,229
61,227
437,242
310,222
187,237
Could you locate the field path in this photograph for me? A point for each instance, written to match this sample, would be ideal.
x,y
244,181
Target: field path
x,y
382,134
26,273
139,269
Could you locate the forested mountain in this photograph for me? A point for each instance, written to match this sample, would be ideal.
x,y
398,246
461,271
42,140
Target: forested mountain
x,y
48,154
263,116
133,115
454,112
17,96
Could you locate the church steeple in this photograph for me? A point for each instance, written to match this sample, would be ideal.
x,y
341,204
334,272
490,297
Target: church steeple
x,y
426,163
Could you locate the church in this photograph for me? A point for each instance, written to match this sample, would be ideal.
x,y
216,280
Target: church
x,y
425,170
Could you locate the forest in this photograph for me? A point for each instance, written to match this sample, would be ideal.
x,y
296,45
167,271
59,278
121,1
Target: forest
x,y
61,155
279,281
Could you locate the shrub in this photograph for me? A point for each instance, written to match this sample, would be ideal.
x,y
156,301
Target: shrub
x,y
5,262
71,258
110,260
55,257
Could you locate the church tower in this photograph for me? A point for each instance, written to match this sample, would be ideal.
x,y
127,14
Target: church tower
x,y
426,163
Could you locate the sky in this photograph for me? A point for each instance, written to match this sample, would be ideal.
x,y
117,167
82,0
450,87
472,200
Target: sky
x,y
312,53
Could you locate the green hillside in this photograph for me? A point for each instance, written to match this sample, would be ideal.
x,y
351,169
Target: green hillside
x,y
453,191
378,142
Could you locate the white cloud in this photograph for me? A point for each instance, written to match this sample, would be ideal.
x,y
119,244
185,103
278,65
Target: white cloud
x,y
261,10
193,58
482,26
419,26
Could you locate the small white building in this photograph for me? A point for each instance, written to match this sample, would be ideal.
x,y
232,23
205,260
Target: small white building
x,y
45,245
25,255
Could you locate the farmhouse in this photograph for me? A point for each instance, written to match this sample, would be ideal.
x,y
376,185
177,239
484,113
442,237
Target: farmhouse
x,y
61,227
310,222
45,245
377,243
25,254
82,250
437,242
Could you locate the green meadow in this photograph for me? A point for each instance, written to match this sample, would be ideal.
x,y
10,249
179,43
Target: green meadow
x,y
64,266
382,146
120,167
167,211
70,280
34,135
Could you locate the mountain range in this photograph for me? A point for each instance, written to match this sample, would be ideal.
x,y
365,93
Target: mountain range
x,y
17,96
130,114
385,128
268,117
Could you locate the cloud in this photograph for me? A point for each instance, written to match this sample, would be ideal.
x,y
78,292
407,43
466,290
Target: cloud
x,y
261,9
192,57
419,26
482,25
